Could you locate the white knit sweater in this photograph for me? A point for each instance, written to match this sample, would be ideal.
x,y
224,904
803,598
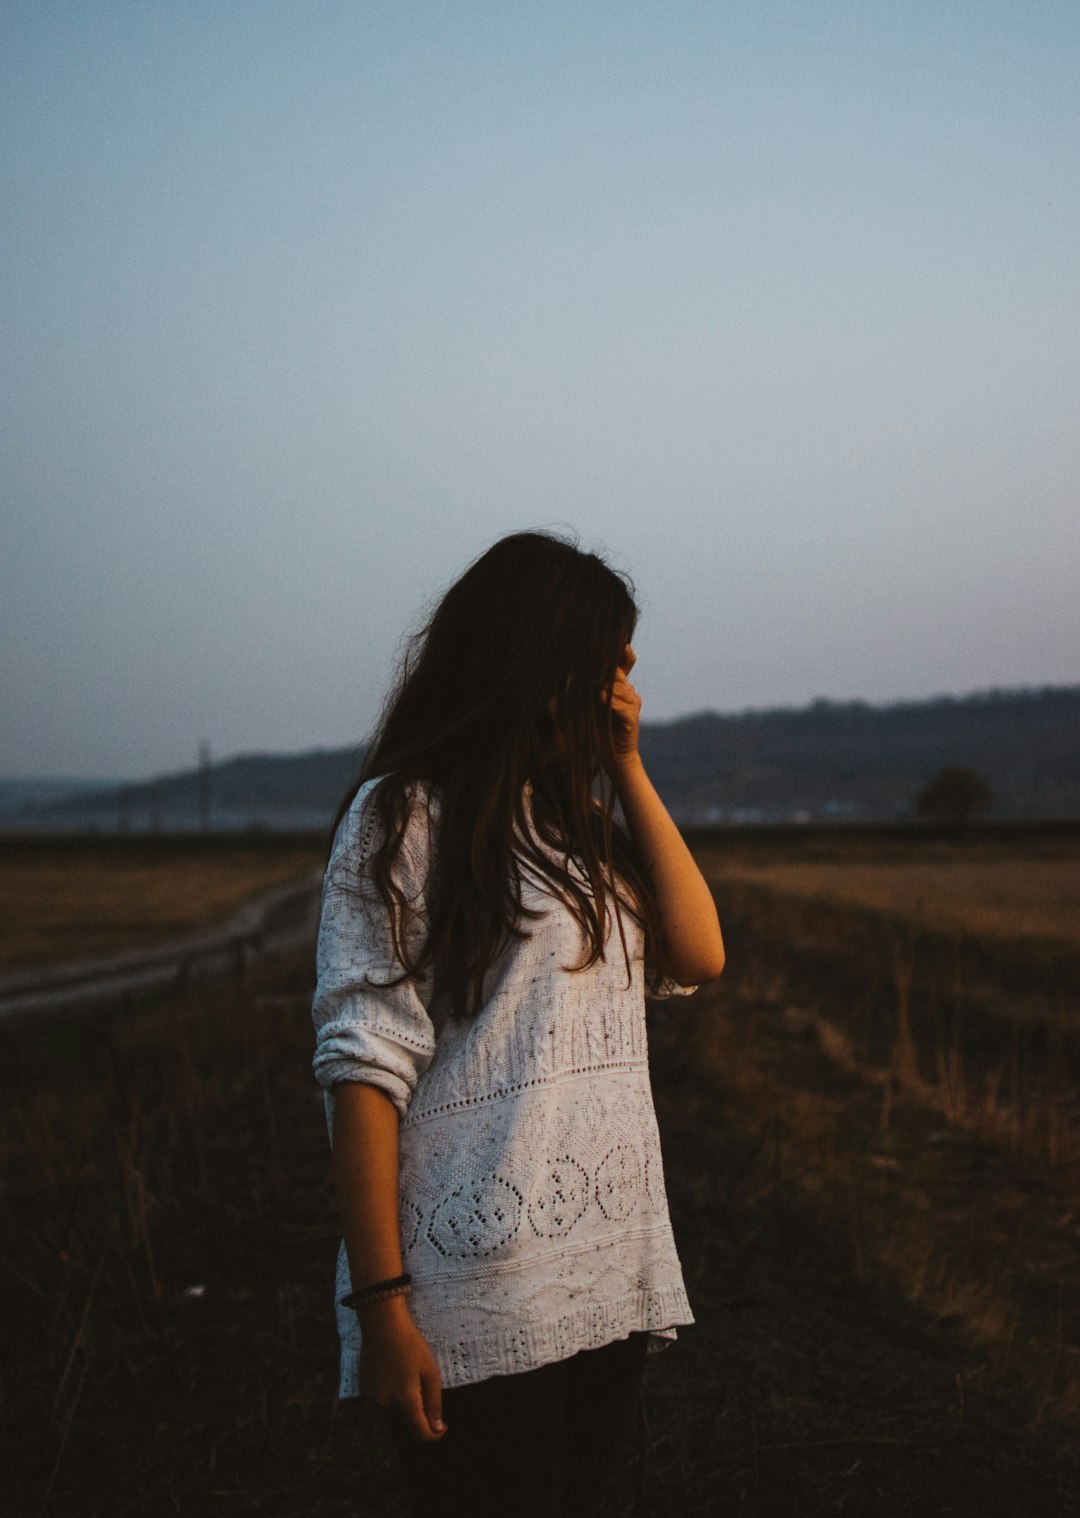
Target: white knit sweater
x,y
532,1208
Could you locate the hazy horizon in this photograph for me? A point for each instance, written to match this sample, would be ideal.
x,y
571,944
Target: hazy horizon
x,y
262,753
304,307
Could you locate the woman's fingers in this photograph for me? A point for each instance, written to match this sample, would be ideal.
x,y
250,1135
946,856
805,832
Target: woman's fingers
x,y
620,686
625,704
626,695
403,1377
415,1413
414,1417
431,1388
626,664
422,1410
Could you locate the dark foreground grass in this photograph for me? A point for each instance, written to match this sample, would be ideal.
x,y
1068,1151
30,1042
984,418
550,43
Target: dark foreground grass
x,y
166,1276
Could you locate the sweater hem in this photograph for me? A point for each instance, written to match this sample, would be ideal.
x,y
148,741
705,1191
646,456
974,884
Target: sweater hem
x,y
463,1361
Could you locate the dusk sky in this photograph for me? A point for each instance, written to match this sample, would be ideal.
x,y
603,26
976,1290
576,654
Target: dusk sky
x,y
303,305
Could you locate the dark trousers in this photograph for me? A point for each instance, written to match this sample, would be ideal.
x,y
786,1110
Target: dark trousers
x,y
537,1444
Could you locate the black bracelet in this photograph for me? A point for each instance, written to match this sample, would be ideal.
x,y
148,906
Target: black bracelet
x,y
370,1293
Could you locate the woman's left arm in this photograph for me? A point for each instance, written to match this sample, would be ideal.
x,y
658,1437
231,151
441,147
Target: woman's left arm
x,y
693,941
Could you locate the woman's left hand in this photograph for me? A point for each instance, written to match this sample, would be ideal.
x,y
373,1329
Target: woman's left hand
x,y
625,707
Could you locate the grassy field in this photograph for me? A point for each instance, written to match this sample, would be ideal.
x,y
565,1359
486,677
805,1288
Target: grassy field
x,y
953,968
1007,885
1003,897
72,899
874,1186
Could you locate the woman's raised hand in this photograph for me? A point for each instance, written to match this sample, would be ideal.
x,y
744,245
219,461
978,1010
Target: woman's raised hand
x,y
625,708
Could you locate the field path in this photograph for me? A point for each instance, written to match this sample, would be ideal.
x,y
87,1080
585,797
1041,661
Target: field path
x,y
268,924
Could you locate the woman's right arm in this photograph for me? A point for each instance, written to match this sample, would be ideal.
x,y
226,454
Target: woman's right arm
x,y
373,1040
397,1367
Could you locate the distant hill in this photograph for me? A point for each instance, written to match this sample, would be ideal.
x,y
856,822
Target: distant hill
x,y
834,760
19,795
829,761
290,791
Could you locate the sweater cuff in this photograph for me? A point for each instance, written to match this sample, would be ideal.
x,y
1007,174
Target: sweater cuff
x,y
347,1051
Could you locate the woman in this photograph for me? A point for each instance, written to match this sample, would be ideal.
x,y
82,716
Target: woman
x,y
487,940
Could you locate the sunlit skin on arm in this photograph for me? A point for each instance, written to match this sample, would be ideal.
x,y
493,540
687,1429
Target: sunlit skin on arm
x,y
693,940
397,1367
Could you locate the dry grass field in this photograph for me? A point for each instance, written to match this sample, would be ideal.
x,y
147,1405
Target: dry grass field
x,y
871,1144
63,900
992,897
1015,889
939,970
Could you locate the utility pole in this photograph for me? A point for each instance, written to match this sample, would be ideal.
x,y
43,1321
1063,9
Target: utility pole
x,y
204,785
153,821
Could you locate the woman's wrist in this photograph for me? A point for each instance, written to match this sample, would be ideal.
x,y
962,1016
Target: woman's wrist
x,y
385,1313
626,769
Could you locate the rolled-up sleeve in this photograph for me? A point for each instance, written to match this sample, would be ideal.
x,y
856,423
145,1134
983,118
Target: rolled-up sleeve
x,y
367,1029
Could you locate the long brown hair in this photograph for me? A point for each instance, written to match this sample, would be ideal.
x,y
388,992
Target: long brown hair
x,y
531,620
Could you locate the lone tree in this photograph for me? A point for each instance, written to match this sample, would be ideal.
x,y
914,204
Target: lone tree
x,y
954,794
